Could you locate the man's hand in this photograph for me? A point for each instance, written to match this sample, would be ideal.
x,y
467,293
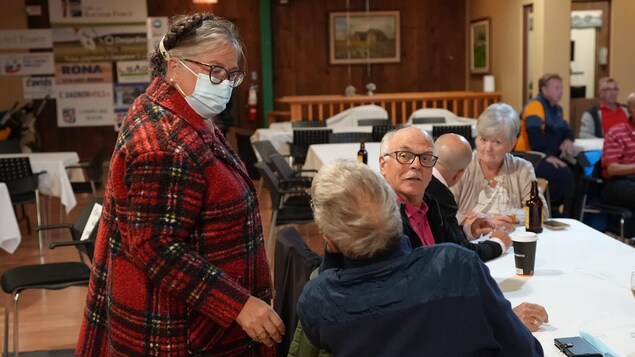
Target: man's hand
x,y
503,236
555,161
261,322
567,147
481,225
532,315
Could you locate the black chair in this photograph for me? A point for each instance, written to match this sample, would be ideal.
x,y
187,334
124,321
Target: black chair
x,y
463,130
11,146
290,177
265,149
380,130
587,195
308,124
535,157
373,122
294,263
350,137
428,120
49,276
22,185
303,138
93,171
288,206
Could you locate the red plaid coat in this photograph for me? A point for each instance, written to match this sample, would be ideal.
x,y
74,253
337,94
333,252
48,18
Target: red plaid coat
x,y
180,245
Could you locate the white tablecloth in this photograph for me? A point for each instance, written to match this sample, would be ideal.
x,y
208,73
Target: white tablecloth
x,y
55,181
588,144
350,116
9,230
582,278
320,154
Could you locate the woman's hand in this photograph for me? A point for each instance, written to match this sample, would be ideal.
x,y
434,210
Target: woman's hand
x,y
555,161
261,322
504,222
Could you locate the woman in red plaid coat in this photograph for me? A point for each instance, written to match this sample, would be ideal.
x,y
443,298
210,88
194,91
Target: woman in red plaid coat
x,y
179,266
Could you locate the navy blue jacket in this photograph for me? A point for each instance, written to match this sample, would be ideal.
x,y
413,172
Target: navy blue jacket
x,y
435,301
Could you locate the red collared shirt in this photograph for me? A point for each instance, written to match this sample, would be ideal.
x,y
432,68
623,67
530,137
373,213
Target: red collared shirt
x,y
419,222
611,118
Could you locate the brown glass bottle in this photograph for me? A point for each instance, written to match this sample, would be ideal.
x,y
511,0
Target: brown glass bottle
x,y
534,211
362,154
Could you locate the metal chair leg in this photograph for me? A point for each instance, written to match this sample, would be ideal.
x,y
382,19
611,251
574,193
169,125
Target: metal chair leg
x,y
7,304
39,222
16,350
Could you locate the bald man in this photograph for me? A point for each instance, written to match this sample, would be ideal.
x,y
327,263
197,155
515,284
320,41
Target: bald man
x,y
455,153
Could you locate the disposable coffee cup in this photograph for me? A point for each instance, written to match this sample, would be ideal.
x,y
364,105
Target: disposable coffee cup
x,y
524,252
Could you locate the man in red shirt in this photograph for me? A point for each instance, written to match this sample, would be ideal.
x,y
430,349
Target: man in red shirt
x,y
618,163
598,119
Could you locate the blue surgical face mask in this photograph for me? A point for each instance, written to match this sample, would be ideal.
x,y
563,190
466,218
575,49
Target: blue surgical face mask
x,y
208,99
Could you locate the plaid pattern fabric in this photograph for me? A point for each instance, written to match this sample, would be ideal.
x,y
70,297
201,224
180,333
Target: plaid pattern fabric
x,y
180,245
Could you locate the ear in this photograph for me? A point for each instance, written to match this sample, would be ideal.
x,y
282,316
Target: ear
x,y
514,141
382,165
330,245
457,176
172,65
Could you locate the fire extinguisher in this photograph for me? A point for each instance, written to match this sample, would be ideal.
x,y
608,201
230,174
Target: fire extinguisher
x,y
252,100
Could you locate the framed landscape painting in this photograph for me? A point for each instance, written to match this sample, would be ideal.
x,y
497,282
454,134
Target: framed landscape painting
x,y
364,37
480,46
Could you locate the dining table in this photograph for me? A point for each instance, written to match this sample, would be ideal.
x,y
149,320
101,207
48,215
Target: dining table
x,y
54,180
582,276
9,231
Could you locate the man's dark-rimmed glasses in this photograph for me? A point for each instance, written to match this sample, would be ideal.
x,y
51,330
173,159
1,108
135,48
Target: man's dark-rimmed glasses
x,y
407,157
217,74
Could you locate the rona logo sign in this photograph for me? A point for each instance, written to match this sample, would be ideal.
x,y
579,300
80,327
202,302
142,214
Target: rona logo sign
x,y
82,69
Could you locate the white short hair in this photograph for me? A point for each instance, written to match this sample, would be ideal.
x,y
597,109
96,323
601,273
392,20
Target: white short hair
x,y
499,118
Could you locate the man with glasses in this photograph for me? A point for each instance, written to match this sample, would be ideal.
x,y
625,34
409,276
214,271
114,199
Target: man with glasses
x,y
598,119
406,161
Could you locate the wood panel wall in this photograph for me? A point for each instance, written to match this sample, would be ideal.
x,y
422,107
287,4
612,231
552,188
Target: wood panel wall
x,y
433,38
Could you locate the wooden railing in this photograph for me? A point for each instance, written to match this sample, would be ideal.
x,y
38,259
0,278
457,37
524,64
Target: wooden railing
x,y
398,105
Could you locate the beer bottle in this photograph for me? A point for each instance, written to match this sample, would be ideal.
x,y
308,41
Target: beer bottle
x,y
533,210
362,154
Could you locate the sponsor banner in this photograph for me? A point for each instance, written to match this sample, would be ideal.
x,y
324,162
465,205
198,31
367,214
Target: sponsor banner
x,y
99,43
75,12
25,39
84,105
157,26
20,64
133,71
126,93
83,72
38,87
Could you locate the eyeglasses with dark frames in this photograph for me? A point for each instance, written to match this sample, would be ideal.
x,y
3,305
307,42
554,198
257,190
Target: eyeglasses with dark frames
x,y
407,158
217,74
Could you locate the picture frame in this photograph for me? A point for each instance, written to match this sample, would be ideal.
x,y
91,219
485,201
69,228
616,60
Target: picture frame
x,y
364,37
480,46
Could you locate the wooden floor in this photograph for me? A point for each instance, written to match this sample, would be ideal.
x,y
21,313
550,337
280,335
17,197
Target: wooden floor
x,y
51,319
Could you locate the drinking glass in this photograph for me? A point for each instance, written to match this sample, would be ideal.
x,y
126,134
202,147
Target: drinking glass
x,y
508,205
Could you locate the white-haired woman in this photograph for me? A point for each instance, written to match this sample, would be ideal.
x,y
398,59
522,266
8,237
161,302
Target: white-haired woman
x,y
387,300
496,181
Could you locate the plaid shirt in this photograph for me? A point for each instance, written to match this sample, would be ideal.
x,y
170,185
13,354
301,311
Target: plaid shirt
x,y
180,245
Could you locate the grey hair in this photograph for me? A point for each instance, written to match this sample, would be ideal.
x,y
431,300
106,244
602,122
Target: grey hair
x,y
384,147
356,208
191,35
499,118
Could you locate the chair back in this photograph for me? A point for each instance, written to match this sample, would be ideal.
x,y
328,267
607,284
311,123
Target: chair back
x,y
372,122
265,148
309,124
463,130
80,224
282,166
11,146
303,138
429,120
294,262
352,137
535,157
270,182
379,131
17,174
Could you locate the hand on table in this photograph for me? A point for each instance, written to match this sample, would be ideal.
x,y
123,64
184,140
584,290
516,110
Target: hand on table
x,y
481,225
261,322
532,315
503,236
503,222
